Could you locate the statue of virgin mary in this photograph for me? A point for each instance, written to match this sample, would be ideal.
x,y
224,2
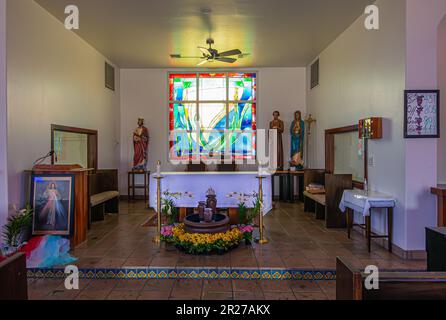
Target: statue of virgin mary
x,y
297,141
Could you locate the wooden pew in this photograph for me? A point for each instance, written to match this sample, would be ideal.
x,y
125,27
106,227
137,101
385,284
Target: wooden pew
x,y
393,285
103,194
326,206
13,280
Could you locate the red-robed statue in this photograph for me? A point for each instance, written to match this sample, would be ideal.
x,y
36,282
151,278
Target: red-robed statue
x,y
140,144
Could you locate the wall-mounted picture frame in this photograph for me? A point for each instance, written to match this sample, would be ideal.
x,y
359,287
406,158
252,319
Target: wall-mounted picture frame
x,y
52,197
421,114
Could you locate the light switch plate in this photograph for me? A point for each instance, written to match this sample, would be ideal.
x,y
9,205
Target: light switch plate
x,y
371,160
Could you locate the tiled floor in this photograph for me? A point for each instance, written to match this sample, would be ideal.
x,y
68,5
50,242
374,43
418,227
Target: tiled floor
x,y
46,289
297,241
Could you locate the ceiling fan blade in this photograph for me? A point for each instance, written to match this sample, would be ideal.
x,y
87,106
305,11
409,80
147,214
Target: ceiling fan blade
x,y
202,62
205,51
179,56
234,52
228,60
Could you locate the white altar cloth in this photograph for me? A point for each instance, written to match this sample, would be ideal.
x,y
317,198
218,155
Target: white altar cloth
x,y
359,201
223,183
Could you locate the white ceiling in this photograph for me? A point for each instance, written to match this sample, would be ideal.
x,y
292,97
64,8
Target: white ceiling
x,y
276,33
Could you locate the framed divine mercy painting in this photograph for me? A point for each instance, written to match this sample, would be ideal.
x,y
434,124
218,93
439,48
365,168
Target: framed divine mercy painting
x,y
422,114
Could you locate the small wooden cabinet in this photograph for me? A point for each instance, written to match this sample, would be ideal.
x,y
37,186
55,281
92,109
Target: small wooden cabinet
x,y
371,128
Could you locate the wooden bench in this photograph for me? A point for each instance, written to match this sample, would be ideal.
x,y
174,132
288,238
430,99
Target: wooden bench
x,y
315,203
13,279
103,194
326,207
393,285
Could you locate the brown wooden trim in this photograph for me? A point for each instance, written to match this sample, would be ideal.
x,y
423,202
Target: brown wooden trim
x,y
345,129
92,142
329,151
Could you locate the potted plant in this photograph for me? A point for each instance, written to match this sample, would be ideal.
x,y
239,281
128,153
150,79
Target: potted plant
x,y
18,228
168,207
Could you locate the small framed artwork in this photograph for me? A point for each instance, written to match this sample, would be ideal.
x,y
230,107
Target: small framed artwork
x,y
52,197
422,114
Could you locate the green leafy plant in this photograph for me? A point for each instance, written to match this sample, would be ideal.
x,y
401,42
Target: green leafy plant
x,y
242,212
15,232
169,209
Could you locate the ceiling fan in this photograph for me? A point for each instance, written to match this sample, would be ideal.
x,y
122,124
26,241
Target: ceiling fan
x,y
210,54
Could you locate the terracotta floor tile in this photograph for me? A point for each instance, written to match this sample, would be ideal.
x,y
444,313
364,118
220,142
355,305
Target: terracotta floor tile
x,y
130,285
310,296
154,295
217,296
275,286
159,285
304,286
217,286
245,285
279,296
123,295
93,294
249,295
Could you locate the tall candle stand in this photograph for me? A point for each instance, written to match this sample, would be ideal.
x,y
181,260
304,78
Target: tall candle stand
x,y
158,177
262,239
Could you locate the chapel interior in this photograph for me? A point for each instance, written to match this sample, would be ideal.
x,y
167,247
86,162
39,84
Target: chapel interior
x,y
222,150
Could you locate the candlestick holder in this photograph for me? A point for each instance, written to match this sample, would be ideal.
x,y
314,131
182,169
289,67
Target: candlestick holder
x,y
157,238
262,239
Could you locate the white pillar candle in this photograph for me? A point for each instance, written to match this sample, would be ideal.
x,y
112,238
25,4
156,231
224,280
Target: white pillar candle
x,y
158,169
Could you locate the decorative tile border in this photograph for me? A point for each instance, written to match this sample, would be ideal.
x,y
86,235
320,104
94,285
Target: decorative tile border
x,y
189,273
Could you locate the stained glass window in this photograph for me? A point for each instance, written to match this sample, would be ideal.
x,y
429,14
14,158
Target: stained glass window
x,y
212,113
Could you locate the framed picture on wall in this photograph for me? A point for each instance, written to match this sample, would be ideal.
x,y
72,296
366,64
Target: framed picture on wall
x,y
422,114
52,197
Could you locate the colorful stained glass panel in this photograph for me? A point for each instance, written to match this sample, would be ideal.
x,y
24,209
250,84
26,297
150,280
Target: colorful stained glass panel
x,y
212,116
212,89
242,88
241,116
184,116
183,87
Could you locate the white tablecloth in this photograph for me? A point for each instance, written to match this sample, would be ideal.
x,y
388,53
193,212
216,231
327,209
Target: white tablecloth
x,y
223,183
359,201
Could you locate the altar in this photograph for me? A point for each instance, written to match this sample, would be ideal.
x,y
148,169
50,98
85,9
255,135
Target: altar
x,y
194,185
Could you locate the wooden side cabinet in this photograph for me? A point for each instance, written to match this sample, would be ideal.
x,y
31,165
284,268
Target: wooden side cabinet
x,y
440,192
13,278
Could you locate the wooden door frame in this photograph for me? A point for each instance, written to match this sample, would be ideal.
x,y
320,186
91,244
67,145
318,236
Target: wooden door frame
x,y
92,143
330,152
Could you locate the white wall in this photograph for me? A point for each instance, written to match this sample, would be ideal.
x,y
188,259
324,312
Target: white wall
x,y
441,161
362,75
144,94
3,119
54,77
423,20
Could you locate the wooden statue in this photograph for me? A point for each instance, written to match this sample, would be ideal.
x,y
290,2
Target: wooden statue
x,y
297,131
277,124
140,144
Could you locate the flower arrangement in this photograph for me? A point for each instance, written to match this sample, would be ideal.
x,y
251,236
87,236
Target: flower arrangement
x,y
246,215
16,231
206,243
246,231
168,205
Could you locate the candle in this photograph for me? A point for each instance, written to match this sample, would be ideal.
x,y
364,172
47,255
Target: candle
x,y
158,169
260,171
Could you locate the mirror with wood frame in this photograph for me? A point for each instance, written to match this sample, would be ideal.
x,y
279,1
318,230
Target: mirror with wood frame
x,y
346,153
74,146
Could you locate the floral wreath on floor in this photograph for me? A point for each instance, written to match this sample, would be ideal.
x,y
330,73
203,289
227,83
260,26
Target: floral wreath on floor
x,y
206,243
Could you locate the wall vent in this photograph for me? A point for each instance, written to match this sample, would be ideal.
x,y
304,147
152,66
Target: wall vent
x,y
109,76
315,74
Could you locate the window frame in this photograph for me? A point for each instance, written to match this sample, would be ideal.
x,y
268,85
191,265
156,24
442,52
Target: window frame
x,y
228,102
